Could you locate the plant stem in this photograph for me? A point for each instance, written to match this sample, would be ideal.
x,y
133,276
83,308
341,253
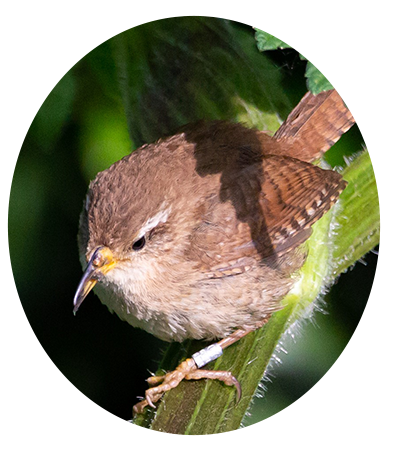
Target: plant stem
x,y
339,239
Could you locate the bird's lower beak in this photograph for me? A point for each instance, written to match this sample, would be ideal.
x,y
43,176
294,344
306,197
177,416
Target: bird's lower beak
x,y
100,263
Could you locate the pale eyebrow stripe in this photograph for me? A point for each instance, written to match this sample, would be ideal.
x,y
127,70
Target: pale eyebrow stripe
x,y
160,217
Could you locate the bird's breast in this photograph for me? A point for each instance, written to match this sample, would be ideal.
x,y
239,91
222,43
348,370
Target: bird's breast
x,y
208,309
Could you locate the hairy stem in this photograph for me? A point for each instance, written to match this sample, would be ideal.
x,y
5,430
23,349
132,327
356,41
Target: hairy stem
x,y
339,239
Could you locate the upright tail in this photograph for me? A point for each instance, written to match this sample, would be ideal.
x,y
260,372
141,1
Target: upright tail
x,y
314,125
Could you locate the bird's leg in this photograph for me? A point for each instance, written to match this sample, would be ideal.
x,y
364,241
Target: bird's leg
x,y
190,370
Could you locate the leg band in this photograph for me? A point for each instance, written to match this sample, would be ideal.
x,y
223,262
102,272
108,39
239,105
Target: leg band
x,y
207,354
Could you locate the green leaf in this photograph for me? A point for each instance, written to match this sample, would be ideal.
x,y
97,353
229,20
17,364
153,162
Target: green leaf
x,y
339,239
337,45
357,219
177,71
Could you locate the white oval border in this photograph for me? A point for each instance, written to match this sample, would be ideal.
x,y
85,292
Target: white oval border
x,y
20,303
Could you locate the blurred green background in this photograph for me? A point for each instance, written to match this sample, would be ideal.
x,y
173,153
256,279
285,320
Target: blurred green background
x,y
132,89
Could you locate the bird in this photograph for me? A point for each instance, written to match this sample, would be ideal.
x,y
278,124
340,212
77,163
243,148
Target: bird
x,y
200,235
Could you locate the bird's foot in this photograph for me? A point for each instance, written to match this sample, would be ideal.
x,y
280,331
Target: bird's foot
x,y
187,370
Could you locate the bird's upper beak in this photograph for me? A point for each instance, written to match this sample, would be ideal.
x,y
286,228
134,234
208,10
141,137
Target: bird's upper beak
x,y
101,261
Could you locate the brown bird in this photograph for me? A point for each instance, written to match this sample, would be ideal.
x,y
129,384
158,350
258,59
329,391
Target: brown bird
x,y
200,235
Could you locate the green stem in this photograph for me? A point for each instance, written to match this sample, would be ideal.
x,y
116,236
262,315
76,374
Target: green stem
x,y
339,239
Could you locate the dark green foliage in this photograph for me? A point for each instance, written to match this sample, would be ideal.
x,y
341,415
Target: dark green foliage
x,y
337,45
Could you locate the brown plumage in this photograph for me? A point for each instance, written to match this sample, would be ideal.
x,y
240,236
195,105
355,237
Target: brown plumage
x,y
204,229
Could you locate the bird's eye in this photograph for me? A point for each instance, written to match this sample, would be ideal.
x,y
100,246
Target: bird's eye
x,y
139,244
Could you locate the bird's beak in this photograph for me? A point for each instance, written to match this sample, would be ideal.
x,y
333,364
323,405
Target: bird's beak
x,y
100,263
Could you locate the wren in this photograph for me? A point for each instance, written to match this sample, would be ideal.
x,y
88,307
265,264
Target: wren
x,y
200,235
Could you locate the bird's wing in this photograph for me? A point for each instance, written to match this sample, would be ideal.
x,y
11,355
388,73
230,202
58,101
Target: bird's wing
x,y
262,211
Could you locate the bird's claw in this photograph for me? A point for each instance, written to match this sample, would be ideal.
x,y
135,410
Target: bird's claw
x,y
187,370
